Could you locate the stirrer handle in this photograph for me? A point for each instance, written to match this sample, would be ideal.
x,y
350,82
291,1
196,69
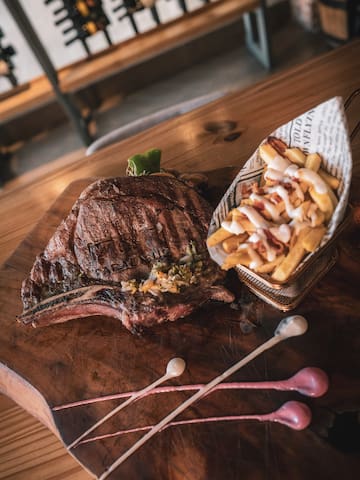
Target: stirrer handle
x,y
117,409
206,388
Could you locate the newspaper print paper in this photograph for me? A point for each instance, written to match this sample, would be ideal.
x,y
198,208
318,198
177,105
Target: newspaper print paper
x,y
323,130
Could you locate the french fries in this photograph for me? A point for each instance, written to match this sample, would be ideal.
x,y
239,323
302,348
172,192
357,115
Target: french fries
x,y
269,267
267,153
282,220
292,259
333,182
312,239
313,162
237,258
333,197
317,218
323,201
217,237
295,155
232,243
244,222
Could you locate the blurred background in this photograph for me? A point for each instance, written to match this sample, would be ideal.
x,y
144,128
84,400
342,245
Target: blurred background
x,y
72,71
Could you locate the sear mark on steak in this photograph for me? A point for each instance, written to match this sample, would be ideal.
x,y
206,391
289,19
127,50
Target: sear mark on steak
x,y
116,232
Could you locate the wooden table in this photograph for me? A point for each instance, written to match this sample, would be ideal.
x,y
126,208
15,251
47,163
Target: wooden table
x,y
201,140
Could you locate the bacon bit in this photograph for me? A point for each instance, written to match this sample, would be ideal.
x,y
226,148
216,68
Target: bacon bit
x,y
278,145
255,188
275,198
260,248
245,190
287,186
274,242
259,205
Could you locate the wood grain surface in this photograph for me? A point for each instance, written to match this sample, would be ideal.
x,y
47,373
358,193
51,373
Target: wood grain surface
x,y
67,362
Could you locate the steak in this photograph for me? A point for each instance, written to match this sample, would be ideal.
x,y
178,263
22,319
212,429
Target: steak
x,y
133,248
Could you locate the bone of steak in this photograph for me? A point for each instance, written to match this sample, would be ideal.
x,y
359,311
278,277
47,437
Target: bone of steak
x,y
115,233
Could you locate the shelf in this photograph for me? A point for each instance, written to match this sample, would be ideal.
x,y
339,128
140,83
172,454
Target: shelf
x,y
125,55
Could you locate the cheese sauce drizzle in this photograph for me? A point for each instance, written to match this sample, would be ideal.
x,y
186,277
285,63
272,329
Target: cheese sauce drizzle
x,y
279,163
268,206
282,199
254,216
260,236
233,227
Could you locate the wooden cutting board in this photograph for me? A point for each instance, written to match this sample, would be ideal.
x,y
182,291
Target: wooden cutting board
x,y
45,368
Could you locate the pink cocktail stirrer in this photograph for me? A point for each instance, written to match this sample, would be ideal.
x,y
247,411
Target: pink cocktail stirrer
x,y
309,381
288,327
293,414
175,368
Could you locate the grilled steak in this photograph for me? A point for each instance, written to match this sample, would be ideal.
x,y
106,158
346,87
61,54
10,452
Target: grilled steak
x,y
132,248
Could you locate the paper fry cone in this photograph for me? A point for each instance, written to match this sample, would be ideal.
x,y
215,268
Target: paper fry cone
x,y
323,130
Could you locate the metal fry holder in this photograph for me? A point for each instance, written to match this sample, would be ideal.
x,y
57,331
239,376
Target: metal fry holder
x,y
287,295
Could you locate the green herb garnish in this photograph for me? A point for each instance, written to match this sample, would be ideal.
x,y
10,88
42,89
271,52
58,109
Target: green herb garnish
x,y
144,163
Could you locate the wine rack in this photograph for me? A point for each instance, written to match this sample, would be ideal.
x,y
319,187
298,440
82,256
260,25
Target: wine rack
x,y
128,9
7,66
87,18
115,69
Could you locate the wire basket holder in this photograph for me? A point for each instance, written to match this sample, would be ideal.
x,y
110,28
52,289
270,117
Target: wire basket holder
x,y
288,295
